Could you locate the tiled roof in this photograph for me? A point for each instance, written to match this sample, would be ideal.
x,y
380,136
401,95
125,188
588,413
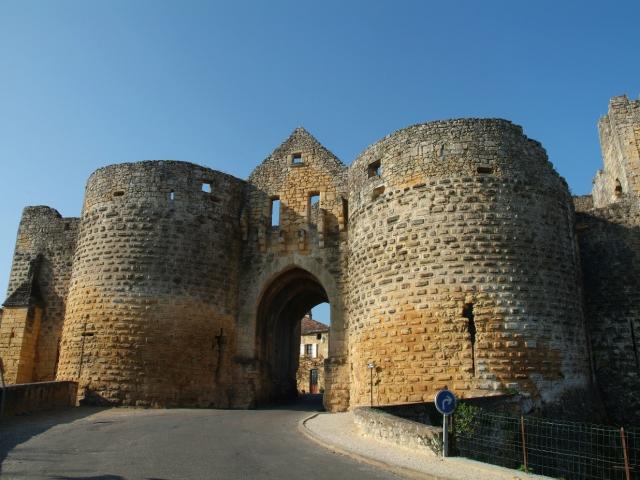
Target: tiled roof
x,y
309,326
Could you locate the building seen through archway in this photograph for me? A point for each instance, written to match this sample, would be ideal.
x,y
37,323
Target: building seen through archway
x,y
314,349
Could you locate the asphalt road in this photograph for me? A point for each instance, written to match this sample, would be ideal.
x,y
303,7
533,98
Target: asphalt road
x,y
180,444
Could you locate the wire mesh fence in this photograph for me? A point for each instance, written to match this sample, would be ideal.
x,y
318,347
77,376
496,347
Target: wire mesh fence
x,y
562,450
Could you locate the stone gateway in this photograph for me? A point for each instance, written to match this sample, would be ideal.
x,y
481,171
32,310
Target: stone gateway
x,y
451,254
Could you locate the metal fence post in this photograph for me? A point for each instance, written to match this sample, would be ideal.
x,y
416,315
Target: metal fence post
x,y
625,452
524,444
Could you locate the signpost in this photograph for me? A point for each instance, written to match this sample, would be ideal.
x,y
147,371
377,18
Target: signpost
x,y
445,402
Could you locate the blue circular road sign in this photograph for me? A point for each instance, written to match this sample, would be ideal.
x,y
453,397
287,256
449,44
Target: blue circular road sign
x,y
445,402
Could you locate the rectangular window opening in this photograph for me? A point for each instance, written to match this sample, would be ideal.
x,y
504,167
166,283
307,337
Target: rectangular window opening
x,y
119,193
374,169
206,187
296,159
275,212
172,196
308,350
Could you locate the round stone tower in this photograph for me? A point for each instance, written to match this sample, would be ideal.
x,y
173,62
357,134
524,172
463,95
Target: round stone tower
x,y
463,268
152,302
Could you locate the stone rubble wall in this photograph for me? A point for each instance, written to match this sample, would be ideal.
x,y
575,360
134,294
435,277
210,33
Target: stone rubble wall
x,y
399,431
309,238
447,251
37,397
582,203
609,240
153,297
43,231
620,142
19,332
472,213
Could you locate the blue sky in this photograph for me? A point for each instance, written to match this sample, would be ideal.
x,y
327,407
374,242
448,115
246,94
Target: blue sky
x,y
85,84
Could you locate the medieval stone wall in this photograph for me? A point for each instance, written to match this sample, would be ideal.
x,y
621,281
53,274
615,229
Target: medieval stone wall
x,y
463,268
620,143
447,252
47,238
610,252
307,236
153,296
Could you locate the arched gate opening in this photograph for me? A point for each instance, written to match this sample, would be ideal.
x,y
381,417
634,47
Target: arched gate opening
x,y
284,303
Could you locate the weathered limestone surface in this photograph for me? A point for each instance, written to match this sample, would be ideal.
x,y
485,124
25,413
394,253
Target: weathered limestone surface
x,y
45,241
153,297
447,250
399,431
620,141
473,219
290,267
19,334
36,397
610,248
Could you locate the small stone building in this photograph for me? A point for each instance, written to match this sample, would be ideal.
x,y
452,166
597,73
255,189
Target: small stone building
x,y
450,252
314,348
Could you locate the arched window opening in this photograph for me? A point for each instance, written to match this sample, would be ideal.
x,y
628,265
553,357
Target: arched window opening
x,y
467,312
617,191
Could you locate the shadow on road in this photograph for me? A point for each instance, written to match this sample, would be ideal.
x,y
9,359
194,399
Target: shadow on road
x,y
19,429
303,403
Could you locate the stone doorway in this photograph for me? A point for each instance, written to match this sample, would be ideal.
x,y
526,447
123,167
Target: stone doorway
x,y
313,381
283,304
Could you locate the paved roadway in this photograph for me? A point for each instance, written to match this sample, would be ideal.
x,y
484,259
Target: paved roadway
x,y
115,444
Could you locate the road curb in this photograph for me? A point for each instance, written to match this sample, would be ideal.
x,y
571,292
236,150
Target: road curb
x,y
404,471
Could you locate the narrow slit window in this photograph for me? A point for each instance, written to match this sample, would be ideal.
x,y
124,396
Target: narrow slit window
x,y
206,187
374,169
296,159
467,312
172,196
275,212
345,210
119,193
483,169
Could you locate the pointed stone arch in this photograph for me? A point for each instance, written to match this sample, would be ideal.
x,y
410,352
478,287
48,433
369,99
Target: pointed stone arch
x,y
278,296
